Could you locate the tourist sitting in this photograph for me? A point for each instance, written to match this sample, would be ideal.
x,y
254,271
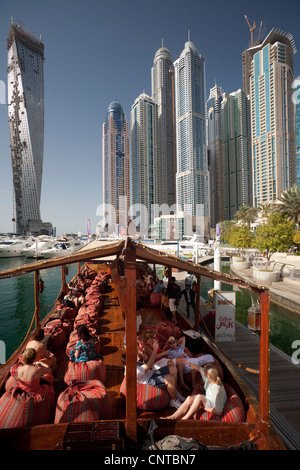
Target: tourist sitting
x,y
43,355
212,402
178,351
85,347
70,300
148,340
31,374
163,377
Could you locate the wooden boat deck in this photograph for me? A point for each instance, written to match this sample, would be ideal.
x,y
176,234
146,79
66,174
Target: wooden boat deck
x,y
112,335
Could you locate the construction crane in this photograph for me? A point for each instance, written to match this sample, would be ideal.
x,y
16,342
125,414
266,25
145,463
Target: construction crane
x,y
252,28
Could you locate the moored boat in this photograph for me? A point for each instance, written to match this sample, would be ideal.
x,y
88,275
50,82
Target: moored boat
x,y
125,418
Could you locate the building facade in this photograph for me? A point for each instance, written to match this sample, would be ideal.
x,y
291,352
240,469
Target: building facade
x,y
116,168
26,124
296,100
162,75
215,155
192,180
144,163
236,137
272,116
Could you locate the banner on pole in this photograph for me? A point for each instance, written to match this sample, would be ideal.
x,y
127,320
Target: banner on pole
x,y
225,317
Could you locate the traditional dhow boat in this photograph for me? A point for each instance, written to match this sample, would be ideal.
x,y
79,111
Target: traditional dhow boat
x,y
95,406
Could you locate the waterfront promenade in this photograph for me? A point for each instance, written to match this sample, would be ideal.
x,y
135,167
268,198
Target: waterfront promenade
x,y
284,375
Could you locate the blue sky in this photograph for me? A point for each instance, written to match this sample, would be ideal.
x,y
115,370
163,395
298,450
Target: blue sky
x,y
98,51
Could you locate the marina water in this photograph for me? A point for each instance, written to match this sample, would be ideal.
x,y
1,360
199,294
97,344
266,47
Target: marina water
x,y
17,305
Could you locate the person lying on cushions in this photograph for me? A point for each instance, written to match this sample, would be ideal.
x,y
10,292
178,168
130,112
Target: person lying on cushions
x,y
162,377
177,350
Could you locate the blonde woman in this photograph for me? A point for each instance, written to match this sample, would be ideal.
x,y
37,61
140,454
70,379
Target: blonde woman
x,y
214,399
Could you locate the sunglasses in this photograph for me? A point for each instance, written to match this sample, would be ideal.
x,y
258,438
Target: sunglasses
x,y
172,342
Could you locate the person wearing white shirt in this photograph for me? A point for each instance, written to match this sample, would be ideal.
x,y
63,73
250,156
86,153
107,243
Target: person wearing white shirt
x,y
213,401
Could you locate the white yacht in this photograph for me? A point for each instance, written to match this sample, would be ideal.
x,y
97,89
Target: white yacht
x,y
11,247
61,249
40,244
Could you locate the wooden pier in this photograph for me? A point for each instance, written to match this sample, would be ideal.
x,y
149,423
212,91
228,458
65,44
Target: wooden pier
x,y
284,382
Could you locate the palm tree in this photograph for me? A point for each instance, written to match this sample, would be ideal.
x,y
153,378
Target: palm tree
x,y
246,214
289,204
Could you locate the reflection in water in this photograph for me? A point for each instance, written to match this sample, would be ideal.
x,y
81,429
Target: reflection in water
x,y
17,300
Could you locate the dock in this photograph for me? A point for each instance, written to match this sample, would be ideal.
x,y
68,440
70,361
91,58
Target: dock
x,y
284,375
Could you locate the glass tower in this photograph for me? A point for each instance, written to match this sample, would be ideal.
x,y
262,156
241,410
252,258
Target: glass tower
x,y
236,136
162,74
144,162
192,181
215,155
272,116
26,124
116,167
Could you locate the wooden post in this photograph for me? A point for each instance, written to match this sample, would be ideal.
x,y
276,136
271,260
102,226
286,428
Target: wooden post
x,y
131,343
37,300
197,312
63,279
264,362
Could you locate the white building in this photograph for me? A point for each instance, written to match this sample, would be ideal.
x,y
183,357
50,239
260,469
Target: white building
x,y
145,178
192,180
162,74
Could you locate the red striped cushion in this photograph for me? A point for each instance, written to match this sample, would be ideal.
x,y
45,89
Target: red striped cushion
x,y
85,371
149,398
233,411
167,329
155,298
88,401
18,409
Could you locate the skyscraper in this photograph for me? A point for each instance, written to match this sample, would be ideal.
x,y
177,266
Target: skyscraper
x,y
296,100
116,167
144,162
192,183
270,79
215,155
236,136
26,124
162,74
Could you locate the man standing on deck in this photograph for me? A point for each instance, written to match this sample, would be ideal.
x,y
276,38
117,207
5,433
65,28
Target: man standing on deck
x,y
174,293
189,296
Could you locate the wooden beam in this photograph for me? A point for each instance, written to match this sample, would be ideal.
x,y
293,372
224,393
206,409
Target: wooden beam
x,y
37,300
131,344
264,363
197,312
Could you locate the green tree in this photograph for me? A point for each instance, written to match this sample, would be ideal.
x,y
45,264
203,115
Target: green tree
x,y
289,204
275,235
241,238
226,227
